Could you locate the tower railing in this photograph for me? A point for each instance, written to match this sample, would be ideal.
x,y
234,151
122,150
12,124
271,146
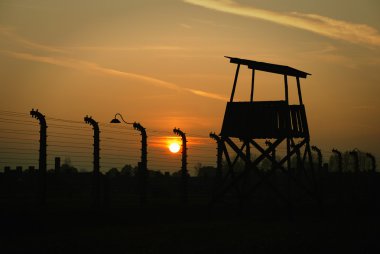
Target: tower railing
x,y
265,119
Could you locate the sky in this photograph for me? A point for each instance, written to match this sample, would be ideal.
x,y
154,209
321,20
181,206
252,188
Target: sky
x,y
161,63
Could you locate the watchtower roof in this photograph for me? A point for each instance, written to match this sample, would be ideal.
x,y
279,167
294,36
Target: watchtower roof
x,y
268,67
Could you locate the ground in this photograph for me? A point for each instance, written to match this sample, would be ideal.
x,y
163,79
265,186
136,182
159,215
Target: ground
x,y
180,230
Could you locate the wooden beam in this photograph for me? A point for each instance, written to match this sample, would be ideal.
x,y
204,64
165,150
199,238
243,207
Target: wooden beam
x,y
299,90
287,157
268,67
235,181
286,89
230,165
226,155
253,164
288,153
275,144
236,149
269,150
235,81
252,84
237,157
265,177
298,153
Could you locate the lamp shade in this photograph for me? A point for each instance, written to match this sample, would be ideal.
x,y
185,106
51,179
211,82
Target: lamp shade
x,y
115,120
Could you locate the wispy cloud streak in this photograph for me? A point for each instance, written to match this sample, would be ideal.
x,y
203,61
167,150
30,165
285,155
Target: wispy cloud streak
x,y
89,66
8,33
206,94
329,27
140,48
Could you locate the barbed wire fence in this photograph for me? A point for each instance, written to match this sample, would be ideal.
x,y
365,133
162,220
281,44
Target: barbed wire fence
x,y
109,148
71,140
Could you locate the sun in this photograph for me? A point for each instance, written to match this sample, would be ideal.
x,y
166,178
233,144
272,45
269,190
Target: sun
x,y
174,147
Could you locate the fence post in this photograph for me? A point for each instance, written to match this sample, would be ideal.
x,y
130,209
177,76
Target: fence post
x,y
96,169
143,167
340,164
57,165
184,173
319,153
373,161
372,186
355,155
341,184
219,149
42,155
356,177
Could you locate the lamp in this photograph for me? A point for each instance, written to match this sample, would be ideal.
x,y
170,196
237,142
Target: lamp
x,y
115,120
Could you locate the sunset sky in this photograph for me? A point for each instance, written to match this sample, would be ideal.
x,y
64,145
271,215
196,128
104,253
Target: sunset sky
x,y
161,63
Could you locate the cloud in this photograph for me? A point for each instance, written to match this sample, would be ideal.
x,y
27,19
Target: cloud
x,y
332,28
8,33
90,66
186,26
139,48
207,94
364,107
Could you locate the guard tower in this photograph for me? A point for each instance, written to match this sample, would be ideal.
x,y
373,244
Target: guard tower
x,y
246,123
